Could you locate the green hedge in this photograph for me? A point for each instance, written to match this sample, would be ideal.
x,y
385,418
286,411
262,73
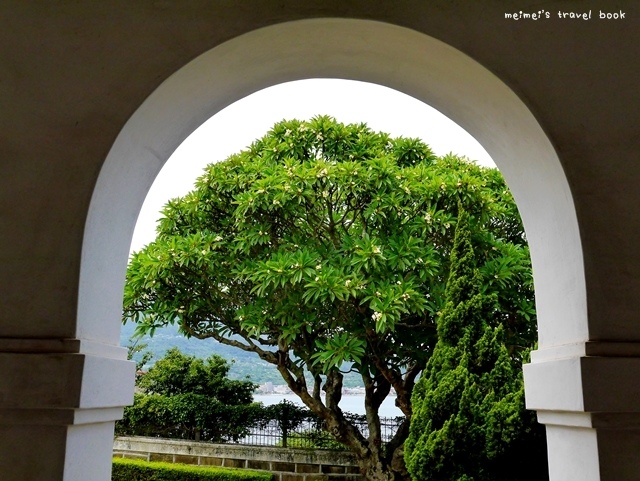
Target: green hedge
x,y
188,416
135,470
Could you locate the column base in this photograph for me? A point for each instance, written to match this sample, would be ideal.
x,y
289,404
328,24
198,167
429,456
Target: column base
x,y
588,397
59,399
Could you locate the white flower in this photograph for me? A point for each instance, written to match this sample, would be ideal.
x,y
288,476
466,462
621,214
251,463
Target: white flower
x,y
427,217
217,238
322,173
287,133
317,278
376,250
318,267
325,194
347,283
376,316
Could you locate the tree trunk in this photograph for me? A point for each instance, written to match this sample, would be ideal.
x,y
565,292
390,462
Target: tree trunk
x,y
374,464
377,470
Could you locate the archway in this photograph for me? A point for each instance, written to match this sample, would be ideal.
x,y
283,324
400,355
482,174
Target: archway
x,y
353,49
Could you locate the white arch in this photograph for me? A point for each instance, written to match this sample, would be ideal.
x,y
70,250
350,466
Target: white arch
x,y
405,60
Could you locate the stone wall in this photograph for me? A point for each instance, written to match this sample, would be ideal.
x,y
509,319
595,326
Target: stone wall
x,y
286,464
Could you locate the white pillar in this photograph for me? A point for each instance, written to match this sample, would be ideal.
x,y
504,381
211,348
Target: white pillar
x,y
59,399
587,396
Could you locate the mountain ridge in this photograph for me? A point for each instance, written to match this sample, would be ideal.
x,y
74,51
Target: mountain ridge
x,y
244,365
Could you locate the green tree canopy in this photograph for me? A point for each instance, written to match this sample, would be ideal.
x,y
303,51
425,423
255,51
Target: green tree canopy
x,y
178,373
186,397
469,421
323,244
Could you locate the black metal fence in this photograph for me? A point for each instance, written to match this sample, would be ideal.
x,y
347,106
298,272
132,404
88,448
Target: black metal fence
x,y
197,417
298,428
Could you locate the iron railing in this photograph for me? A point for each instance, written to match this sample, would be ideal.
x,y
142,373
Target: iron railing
x,y
309,432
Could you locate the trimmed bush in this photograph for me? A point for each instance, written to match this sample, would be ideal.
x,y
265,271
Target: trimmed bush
x,y
188,398
313,439
188,416
136,470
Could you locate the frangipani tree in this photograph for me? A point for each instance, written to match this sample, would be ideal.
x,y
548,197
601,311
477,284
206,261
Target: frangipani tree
x,y
325,245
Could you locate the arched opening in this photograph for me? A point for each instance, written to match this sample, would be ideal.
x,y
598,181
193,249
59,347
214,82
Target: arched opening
x,y
402,59
362,50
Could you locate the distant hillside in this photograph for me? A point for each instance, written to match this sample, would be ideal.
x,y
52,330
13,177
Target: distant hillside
x,y
245,365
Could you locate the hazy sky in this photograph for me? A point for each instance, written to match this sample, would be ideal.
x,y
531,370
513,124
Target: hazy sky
x,y
237,126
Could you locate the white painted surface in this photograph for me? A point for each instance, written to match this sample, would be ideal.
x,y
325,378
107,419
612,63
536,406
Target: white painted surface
x,y
573,454
410,62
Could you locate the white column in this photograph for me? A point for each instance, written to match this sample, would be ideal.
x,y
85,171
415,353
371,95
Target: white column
x,y
59,399
588,396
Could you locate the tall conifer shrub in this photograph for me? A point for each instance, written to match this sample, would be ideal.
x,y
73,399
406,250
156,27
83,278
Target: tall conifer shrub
x,y
469,422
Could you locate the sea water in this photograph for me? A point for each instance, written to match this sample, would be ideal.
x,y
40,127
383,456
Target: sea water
x,y
352,403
